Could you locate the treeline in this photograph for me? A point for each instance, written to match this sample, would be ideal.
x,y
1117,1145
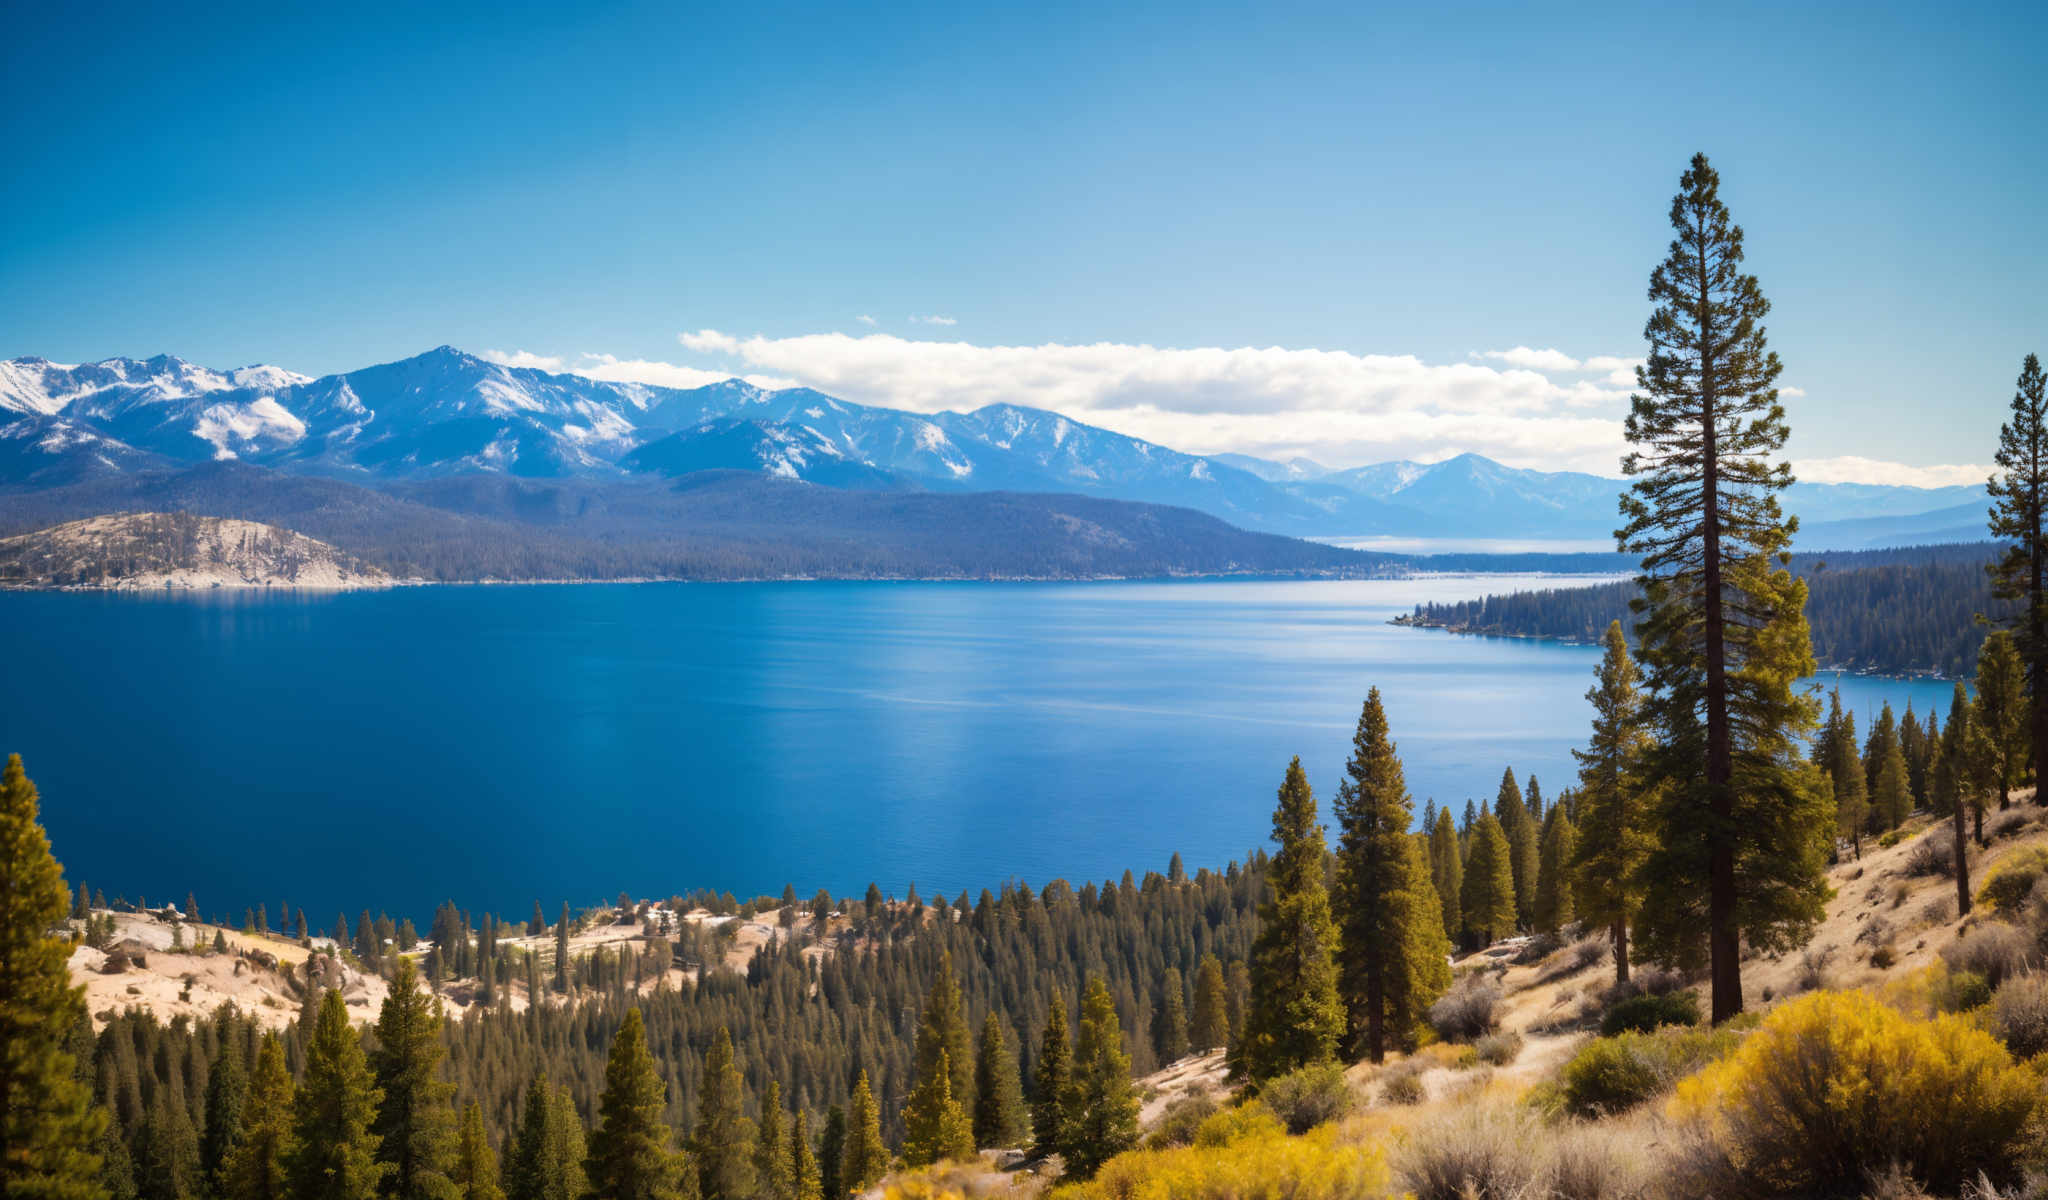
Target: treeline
x,y
1893,612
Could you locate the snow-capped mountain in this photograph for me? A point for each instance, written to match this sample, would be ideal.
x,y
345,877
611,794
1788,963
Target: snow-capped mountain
x,y
446,413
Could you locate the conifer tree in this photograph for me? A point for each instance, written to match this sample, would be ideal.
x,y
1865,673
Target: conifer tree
x,y
415,1124
722,1143
254,1167
832,1153
806,1181
865,1159
1447,872
934,1125
2001,711
1209,1026
1489,899
1613,833
166,1153
1743,825
1554,908
1512,811
1969,762
1891,798
1294,1016
1102,1116
999,1117
227,1088
629,1155
1836,754
2019,517
1170,1023
49,1133
545,1158
562,949
334,1151
943,1030
476,1165
772,1160
1395,957
1049,1086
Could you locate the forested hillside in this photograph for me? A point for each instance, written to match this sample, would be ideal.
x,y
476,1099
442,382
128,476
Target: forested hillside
x,y
1899,612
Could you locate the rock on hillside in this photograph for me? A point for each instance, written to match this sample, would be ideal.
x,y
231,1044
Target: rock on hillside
x,y
177,550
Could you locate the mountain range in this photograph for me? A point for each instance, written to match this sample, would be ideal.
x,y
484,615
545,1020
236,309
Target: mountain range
x,y
447,414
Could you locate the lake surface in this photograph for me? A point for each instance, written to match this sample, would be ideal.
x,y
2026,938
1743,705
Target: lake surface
x,y
498,745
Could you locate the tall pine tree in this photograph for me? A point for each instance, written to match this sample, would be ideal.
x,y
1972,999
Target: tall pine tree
x,y
255,1168
1209,1027
1102,1116
2019,517
1489,899
1049,1086
999,1118
1395,957
1743,835
49,1133
415,1124
1295,1016
334,1151
630,1157
864,1159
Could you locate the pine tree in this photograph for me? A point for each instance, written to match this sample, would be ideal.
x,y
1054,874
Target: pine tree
x,y
49,1133
1554,908
254,1168
1210,1026
1170,1023
629,1155
832,1153
722,1142
772,1161
334,1152
999,1117
1395,957
476,1166
934,1125
1294,1016
1743,835
567,1158
545,1158
166,1153
1512,811
1835,752
1613,829
943,1030
807,1182
227,1089
1049,1087
1891,797
1102,1114
865,1159
1489,899
2019,517
562,949
415,1124
2001,710
1447,872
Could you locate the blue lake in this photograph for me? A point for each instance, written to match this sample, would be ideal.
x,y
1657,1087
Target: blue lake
x,y
498,745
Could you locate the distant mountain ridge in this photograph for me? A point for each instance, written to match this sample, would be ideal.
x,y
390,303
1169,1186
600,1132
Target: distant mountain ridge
x,y
448,413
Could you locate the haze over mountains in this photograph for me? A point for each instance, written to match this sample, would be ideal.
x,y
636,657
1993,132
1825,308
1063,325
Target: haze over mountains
x,y
446,414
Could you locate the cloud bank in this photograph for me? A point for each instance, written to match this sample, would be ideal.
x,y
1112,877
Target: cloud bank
x,y
1525,406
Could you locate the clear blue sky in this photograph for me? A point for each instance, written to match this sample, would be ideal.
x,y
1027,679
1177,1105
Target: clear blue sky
x,y
325,188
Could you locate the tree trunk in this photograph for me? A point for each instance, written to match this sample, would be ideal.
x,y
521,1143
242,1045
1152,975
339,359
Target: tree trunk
x,y
1962,864
1620,950
1724,946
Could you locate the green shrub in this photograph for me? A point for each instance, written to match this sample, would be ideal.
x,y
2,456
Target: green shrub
x,y
1641,1014
2006,888
1177,1125
1499,1049
1960,991
1834,1083
1308,1097
1614,1074
1890,838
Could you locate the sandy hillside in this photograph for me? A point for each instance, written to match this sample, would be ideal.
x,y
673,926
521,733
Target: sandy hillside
x,y
132,551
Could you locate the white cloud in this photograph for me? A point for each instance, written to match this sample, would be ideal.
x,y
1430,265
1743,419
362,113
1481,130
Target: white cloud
x,y
1850,468
1340,407
1535,360
662,374
866,320
523,358
934,319
1791,391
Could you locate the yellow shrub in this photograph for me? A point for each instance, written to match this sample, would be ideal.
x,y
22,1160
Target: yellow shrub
x,y
2008,885
1837,1081
1260,1166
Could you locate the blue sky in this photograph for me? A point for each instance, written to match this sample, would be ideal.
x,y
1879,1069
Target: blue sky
x,y
1113,208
